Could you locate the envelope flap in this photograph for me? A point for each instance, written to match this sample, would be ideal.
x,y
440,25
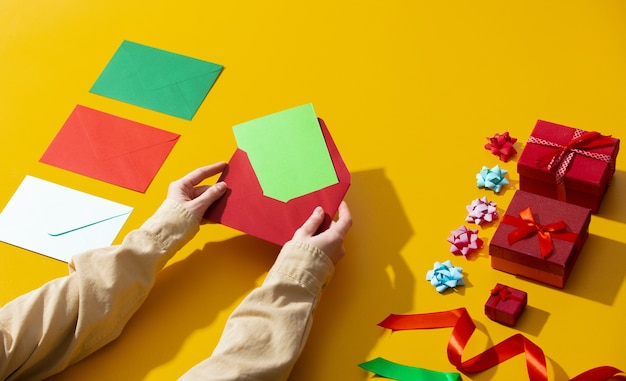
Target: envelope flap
x,y
110,136
157,68
81,211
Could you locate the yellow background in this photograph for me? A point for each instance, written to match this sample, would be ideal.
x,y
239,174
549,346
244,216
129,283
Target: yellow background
x,y
409,90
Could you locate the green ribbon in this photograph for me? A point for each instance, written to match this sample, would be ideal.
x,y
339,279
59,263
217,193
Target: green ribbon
x,y
387,369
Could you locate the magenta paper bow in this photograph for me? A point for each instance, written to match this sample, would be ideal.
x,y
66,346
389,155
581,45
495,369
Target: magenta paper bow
x,y
464,241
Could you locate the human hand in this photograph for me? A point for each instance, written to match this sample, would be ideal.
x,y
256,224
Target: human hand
x,y
329,241
194,197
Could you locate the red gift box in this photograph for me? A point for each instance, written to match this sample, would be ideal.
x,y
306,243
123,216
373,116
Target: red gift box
x,y
505,304
568,164
539,238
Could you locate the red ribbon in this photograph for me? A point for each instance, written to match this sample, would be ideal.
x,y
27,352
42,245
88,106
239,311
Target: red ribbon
x,y
581,143
526,226
463,328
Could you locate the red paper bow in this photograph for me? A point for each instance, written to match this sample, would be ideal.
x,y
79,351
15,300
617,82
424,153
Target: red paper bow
x,y
581,143
501,145
526,225
463,328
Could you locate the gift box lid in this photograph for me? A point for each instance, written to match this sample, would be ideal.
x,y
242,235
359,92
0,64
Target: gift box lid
x,y
586,174
545,211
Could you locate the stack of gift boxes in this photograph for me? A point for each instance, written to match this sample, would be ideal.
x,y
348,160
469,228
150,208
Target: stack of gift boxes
x,y
564,174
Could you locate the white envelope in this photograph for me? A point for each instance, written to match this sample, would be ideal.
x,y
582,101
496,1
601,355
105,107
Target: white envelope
x,y
59,222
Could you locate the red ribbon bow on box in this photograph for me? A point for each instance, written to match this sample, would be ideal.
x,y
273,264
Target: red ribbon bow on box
x,y
526,226
501,293
581,143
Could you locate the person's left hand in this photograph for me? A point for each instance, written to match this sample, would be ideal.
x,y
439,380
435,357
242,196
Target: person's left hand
x,y
194,197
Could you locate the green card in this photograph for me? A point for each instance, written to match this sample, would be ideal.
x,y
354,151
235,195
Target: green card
x,y
157,80
287,152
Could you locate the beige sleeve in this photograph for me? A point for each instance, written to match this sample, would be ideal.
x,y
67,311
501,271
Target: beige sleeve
x,y
68,318
266,333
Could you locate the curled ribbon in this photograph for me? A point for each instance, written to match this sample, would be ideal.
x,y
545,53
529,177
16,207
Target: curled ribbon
x,y
463,328
526,226
581,143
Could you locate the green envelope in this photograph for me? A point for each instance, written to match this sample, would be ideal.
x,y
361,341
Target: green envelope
x,y
157,79
288,153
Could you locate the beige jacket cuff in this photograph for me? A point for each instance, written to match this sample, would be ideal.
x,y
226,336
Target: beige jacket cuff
x,y
305,264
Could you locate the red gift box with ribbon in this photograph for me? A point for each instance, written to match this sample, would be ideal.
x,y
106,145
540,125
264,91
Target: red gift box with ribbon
x,y
539,238
568,164
505,304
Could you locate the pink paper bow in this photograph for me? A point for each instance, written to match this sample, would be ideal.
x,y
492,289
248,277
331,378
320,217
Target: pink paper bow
x,y
481,210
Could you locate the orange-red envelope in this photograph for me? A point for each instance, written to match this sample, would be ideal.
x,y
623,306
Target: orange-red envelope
x,y
109,148
245,208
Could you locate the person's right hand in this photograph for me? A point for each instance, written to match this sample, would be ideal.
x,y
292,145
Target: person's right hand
x,y
329,241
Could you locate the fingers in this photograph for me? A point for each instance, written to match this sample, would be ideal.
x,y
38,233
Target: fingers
x,y
197,176
314,221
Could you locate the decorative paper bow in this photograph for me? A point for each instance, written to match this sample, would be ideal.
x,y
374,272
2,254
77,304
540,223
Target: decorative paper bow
x,y
526,225
492,178
481,210
464,241
463,328
581,143
501,145
445,275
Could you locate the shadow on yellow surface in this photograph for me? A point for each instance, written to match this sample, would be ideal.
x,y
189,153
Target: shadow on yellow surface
x,y
613,206
373,279
599,271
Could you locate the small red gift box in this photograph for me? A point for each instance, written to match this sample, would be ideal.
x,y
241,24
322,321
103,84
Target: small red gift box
x,y
539,238
568,164
505,304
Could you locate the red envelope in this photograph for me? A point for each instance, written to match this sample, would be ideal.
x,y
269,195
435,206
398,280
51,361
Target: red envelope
x,y
245,208
109,148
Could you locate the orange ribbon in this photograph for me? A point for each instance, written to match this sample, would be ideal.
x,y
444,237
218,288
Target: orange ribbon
x,y
526,226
